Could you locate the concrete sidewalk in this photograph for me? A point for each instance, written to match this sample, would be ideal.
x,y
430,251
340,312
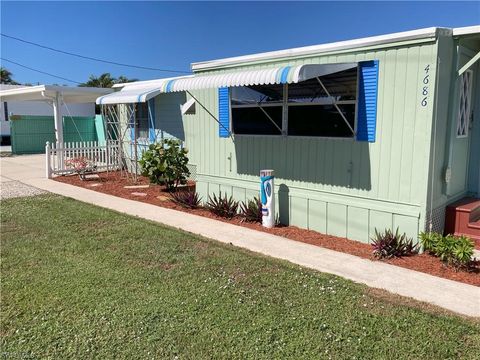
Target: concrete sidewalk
x,y
458,297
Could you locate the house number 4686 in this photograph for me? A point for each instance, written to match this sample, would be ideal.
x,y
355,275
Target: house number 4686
x,y
425,82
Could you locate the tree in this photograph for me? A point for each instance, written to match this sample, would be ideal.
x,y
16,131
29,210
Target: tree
x,y
123,79
6,77
105,80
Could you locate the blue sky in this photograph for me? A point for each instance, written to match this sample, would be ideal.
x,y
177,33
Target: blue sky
x,y
172,35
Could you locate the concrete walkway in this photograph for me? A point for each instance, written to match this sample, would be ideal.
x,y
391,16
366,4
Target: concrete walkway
x,y
458,297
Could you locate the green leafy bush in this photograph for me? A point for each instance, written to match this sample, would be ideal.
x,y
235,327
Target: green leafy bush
x,y
389,244
222,206
251,210
452,250
165,163
429,241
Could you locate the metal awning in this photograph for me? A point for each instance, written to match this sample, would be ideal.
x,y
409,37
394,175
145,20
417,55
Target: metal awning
x,y
144,90
129,95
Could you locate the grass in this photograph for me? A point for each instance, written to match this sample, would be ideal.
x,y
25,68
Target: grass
x,y
79,281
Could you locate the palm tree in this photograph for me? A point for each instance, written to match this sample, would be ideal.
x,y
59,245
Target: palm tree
x,y
105,80
6,77
123,79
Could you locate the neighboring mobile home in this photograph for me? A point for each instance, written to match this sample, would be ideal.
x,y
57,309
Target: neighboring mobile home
x,y
381,132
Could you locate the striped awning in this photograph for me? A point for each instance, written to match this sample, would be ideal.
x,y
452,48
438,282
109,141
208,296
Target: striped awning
x,y
144,90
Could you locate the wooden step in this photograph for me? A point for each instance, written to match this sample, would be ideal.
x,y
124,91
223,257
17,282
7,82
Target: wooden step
x,y
463,218
474,225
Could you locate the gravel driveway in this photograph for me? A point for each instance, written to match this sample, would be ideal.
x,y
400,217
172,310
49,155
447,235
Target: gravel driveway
x,y
12,189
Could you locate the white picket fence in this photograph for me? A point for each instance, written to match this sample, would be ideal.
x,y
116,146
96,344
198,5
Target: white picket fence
x,y
99,157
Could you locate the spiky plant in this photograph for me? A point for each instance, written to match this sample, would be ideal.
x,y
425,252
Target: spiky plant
x,y
186,198
222,206
251,210
389,244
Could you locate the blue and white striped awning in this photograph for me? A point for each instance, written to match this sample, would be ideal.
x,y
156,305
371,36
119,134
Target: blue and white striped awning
x,y
142,91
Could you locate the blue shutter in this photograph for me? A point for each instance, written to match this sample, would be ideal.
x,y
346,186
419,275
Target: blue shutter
x,y
151,120
367,100
223,112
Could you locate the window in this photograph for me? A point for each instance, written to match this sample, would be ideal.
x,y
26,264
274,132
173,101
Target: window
x,y
257,109
464,106
324,106
5,109
141,118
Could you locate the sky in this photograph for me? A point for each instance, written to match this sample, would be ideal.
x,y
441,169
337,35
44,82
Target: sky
x,y
172,35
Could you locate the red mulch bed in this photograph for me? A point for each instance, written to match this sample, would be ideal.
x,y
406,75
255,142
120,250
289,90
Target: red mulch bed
x,y
113,183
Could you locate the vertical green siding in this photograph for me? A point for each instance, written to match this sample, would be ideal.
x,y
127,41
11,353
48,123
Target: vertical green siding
x,y
339,186
448,151
30,133
474,161
79,128
168,116
100,129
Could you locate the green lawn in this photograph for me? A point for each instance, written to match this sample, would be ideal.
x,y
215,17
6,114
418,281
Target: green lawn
x,y
83,282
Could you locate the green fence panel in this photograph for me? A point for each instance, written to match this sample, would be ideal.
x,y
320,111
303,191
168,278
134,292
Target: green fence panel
x,y
99,127
29,134
78,128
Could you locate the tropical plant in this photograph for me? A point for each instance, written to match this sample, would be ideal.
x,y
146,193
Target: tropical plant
x,y
123,79
222,206
105,80
6,77
389,244
453,250
251,210
165,163
188,199
429,241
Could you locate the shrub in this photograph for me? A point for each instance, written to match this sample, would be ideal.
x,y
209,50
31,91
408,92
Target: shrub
x,y
453,250
389,244
188,199
429,241
81,165
251,210
165,163
222,206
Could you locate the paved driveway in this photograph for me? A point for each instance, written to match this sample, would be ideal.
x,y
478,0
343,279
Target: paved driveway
x,y
22,167
14,170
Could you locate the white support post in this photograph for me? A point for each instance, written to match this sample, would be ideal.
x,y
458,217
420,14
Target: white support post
x,y
48,167
57,115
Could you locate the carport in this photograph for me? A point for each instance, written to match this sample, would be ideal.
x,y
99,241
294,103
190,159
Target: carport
x,y
55,96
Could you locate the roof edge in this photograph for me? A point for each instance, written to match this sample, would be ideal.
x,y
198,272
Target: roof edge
x,y
466,30
425,33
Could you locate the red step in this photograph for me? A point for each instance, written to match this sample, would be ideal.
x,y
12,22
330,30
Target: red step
x,y
463,218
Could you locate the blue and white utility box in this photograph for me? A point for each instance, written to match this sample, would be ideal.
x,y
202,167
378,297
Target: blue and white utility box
x,y
267,196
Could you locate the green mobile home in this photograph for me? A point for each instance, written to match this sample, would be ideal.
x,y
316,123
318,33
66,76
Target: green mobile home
x,y
380,132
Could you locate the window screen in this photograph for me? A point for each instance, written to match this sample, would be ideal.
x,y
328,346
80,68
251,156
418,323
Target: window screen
x,y
317,107
324,106
257,109
141,116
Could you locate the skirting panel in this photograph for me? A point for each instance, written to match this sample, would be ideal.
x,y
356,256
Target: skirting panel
x,y
309,211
